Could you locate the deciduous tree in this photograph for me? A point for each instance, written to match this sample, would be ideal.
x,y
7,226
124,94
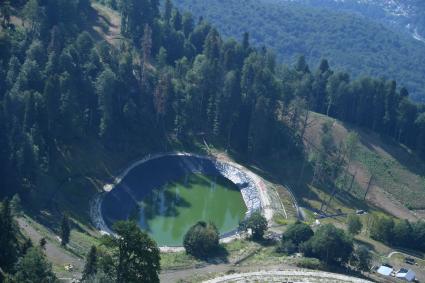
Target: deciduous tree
x,y
257,223
65,230
201,240
354,224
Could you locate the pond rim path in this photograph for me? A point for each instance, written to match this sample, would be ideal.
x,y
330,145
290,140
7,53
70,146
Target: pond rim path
x,y
96,202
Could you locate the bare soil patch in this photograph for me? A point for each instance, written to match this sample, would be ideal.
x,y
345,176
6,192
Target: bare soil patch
x,y
54,253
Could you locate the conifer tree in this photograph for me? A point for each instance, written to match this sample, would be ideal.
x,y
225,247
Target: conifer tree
x,y
34,267
5,12
105,88
8,238
147,44
176,20
301,65
90,267
168,11
65,230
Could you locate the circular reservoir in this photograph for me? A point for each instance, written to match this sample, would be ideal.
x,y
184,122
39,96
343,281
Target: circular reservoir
x,y
169,194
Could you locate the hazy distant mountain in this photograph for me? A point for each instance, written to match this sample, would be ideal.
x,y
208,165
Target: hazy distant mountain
x,y
405,15
361,37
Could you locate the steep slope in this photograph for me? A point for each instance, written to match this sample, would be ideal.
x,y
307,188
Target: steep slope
x,y
351,42
398,177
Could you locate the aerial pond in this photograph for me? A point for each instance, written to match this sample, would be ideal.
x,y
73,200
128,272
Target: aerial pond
x,y
169,194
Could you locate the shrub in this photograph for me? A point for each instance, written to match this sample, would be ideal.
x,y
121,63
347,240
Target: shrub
x,y
298,233
354,224
329,244
287,247
201,240
362,258
310,263
381,228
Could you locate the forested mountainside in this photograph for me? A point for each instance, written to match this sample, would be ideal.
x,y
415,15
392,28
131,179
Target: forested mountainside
x,y
164,81
403,15
350,41
167,80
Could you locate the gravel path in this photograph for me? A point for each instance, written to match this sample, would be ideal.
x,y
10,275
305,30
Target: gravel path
x,y
171,276
259,273
300,276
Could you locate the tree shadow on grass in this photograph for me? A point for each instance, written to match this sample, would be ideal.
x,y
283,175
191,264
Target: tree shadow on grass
x,y
218,256
363,243
270,239
402,154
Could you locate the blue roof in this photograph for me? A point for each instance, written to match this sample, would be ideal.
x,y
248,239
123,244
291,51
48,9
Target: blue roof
x,y
409,275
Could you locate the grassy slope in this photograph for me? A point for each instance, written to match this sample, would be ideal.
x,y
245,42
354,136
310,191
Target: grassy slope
x,y
398,176
397,187
350,42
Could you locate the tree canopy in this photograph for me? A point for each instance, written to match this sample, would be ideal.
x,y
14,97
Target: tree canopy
x,y
202,240
354,224
134,256
298,233
329,244
34,267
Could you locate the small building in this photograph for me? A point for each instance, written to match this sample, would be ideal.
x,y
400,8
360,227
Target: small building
x,y
408,275
385,270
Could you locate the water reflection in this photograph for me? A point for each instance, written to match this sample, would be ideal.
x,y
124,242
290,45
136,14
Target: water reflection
x,y
168,212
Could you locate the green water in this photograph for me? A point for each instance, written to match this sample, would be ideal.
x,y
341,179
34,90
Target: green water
x,y
167,213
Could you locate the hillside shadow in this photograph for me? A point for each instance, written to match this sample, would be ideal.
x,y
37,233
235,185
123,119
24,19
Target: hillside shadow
x,y
220,255
369,246
287,172
399,152
350,201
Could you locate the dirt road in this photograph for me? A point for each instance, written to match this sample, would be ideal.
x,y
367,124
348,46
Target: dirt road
x,y
54,253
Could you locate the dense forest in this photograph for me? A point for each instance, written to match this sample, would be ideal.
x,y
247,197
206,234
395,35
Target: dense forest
x,y
350,42
403,15
171,78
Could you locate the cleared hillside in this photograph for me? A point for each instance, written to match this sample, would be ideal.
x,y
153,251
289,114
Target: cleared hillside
x,y
398,182
350,42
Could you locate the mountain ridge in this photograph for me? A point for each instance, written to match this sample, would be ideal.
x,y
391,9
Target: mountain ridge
x,y
403,15
349,42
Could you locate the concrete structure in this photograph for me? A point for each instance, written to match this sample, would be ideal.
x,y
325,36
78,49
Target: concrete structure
x,y
408,275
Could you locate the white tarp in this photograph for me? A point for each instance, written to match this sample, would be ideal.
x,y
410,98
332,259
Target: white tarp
x,y
385,270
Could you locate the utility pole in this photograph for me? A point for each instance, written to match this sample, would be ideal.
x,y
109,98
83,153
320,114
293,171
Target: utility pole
x,y
368,187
